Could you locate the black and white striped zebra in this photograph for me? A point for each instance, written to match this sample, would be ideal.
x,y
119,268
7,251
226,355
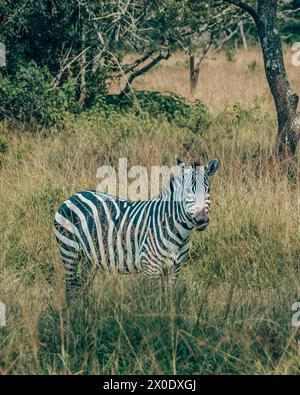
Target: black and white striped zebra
x,y
94,229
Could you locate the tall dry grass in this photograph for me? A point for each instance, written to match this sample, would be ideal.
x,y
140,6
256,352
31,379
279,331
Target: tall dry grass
x,y
230,311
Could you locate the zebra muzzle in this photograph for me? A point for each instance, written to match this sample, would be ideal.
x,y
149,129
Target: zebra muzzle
x,y
202,220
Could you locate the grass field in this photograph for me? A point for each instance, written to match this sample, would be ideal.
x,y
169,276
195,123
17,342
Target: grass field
x,y
230,311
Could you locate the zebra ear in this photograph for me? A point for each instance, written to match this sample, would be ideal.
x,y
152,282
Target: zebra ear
x,y
212,167
179,162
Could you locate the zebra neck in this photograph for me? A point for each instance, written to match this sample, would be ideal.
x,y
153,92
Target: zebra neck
x,y
176,218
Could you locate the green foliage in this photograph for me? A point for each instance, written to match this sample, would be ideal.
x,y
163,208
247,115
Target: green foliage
x,y
30,98
39,31
96,86
290,27
3,145
192,115
49,37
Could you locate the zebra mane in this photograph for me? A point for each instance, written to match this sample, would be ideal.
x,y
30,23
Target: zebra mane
x,y
195,164
174,182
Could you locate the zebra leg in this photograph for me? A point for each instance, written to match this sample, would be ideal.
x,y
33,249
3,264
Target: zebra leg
x,y
85,271
154,285
70,260
69,252
175,271
170,274
77,267
72,280
152,276
78,274
152,272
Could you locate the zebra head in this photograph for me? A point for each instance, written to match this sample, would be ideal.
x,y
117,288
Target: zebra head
x,y
196,191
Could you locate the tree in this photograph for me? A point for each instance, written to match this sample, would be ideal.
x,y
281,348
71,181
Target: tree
x,y
290,20
86,41
153,30
264,14
199,46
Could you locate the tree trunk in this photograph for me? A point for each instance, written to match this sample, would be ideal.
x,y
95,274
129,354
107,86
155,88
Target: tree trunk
x,y
194,74
242,32
285,101
195,66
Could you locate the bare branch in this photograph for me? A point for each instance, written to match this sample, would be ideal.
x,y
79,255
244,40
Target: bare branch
x,y
251,11
226,38
143,70
66,65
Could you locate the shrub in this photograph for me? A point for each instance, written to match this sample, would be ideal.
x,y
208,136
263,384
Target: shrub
x,y
3,145
30,99
96,87
194,116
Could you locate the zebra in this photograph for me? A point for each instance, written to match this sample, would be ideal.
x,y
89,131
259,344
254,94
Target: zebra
x,y
96,230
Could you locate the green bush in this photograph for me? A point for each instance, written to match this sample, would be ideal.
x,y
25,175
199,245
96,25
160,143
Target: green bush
x,y
96,87
194,116
29,97
3,145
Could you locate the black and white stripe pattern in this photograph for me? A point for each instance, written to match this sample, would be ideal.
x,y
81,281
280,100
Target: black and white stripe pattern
x,y
95,229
